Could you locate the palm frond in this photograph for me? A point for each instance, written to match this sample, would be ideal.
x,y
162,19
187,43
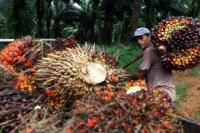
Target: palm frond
x,y
179,6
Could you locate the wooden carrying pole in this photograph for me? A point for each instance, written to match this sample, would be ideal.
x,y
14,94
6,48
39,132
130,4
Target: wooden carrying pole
x,y
132,61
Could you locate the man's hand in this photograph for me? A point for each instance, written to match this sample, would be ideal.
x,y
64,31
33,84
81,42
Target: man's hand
x,y
140,74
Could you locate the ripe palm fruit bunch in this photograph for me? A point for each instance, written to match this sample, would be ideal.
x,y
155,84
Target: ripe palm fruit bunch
x,y
106,58
14,59
13,52
176,33
67,75
177,38
146,111
21,55
62,44
183,59
18,106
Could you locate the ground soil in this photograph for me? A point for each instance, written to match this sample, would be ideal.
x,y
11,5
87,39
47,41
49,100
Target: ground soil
x,y
189,106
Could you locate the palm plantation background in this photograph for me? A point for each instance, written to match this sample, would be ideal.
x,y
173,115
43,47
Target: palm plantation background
x,y
106,22
99,21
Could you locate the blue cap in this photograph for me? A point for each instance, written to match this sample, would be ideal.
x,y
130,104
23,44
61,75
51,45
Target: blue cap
x,y
141,31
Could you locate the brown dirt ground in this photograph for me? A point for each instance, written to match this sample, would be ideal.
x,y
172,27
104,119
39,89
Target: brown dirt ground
x,y
190,104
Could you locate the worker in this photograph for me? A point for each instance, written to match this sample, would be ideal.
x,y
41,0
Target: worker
x,y
151,68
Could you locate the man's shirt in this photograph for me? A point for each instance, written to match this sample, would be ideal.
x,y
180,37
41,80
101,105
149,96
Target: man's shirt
x,y
157,75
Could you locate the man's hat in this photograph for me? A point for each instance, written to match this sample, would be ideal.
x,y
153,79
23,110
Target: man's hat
x,y
141,31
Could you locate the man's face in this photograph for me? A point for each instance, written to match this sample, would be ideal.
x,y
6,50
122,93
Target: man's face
x,y
143,41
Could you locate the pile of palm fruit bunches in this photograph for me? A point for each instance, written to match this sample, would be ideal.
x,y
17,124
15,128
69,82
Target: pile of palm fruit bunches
x,y
45,87
178,39
144,111
66,86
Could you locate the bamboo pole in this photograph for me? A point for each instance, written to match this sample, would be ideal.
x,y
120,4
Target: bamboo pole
x,y
132,61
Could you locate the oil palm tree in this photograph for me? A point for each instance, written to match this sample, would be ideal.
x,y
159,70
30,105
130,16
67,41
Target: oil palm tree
x,y
20,18
40,10
155,10
195,8
136,4
114,11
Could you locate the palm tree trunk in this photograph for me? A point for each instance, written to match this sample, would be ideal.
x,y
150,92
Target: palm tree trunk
x,y
93,21
150,13
134,21
40,15
57,29
18,6
48,22
195,8
57,19
135,15
126,29
108,23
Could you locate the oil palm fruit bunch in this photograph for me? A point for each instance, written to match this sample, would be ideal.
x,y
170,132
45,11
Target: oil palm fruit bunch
x,y
62,44
182,59
83,66
51,120
145,111
71,73
6,75
177,38
176,33
21,55
13,60
185,38
13,52
55,96
15,104
106,58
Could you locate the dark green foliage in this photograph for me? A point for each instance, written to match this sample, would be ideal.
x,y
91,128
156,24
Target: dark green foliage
x,y
20,21
125,54
2,46
100,21
195,8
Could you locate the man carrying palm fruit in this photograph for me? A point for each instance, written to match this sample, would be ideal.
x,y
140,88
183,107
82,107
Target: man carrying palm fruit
x,y
151,69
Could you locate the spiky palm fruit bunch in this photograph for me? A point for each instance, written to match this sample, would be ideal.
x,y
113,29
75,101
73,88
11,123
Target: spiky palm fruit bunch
x,y
176,37
17,107
55,96
21,55
71,73
145,111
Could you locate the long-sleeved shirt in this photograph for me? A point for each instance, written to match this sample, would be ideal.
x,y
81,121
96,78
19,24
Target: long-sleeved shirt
x,y
157,76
